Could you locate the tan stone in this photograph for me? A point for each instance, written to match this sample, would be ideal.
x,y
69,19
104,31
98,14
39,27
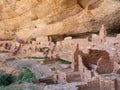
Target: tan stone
x,y
54,17
102,34
104,66
42,39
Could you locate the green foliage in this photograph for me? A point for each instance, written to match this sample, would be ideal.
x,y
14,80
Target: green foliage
x,y
4,52
46,57
6,79
26,76
64,61
34,57
9,88
11,58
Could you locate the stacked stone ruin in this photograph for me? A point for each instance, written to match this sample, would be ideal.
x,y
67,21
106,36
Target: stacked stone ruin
x,y
89,59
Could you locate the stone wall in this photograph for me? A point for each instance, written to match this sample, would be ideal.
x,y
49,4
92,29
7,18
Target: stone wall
x,y
93,85
105,82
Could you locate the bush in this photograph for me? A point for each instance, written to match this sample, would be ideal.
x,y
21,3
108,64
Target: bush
x,y
64,61
4,51
11,59
34,57
26,76
6,79
9,88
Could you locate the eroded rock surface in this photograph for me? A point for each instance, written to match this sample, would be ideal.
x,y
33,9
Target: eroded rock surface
x,y
32,18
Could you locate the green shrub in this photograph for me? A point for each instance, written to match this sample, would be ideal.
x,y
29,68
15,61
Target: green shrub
x,y
34,57
6,79
9,88
11,58
26,76
4,51
64,61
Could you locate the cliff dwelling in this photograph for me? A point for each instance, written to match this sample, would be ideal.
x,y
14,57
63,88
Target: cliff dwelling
x,y
59,44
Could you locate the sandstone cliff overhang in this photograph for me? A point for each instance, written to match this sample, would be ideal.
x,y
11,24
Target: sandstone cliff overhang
x,y
31,18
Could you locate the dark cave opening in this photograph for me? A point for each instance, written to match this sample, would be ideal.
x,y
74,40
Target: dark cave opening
x,y
114,32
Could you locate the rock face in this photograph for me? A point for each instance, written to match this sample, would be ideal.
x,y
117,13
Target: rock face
x,y
32,18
